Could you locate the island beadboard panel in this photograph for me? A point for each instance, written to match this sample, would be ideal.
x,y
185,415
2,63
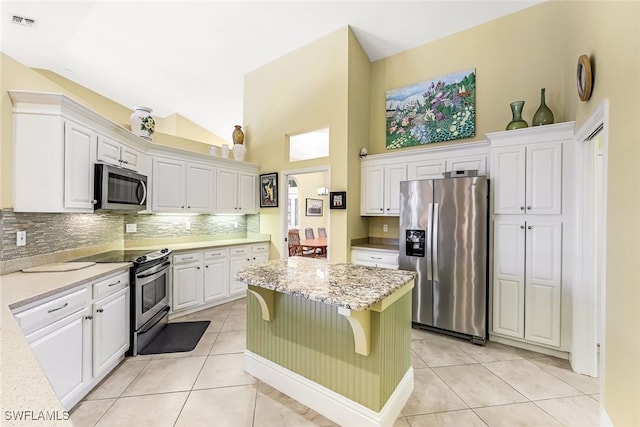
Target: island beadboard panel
x,y
310,338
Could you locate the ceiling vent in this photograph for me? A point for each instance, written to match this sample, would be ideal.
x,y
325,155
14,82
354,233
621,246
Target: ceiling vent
x,y
24,21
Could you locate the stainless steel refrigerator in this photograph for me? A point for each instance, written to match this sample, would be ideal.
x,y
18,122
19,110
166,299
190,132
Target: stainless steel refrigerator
x,y
443,236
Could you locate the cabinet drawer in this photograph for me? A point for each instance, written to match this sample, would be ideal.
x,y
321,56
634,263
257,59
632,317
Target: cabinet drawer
x,y
260,249
216,253
240,250
47,313
110,285
376,257
187,257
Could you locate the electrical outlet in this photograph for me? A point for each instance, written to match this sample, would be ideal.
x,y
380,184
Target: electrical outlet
x,y
385,228
187,225
235,224
21,238
131,228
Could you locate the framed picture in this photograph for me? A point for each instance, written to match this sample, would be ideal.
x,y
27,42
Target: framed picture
x,y
338,200
314,207
269,190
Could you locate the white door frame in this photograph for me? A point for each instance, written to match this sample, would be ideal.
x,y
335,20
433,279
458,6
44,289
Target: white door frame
x,y
584,355
284,179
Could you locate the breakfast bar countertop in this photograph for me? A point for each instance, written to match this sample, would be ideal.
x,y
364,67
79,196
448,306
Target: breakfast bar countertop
x,y
351,286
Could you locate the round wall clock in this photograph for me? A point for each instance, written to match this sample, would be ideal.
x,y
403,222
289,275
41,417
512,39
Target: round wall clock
x,y
584,78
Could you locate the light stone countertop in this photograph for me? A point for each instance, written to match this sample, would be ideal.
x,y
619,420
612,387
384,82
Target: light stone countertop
x,y
24,384
183,247
356,287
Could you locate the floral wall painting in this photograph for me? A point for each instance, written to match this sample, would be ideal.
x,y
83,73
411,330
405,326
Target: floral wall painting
x,y
437,110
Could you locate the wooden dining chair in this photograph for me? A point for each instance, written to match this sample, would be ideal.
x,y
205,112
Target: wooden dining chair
x,y
322,232
308,233
295,249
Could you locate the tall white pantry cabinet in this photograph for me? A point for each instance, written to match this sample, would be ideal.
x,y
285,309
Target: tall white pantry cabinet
x,y
531,175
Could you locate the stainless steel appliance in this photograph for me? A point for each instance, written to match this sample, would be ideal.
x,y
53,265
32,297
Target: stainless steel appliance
x,y
149,282
444,237
119,189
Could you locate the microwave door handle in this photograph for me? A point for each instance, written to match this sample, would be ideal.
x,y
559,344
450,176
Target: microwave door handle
x,y
144,192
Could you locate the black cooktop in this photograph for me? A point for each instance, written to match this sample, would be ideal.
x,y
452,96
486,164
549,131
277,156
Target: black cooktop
x,y
126,256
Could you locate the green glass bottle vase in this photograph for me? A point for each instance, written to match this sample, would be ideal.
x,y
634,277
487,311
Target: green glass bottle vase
x,y
516,112
543,116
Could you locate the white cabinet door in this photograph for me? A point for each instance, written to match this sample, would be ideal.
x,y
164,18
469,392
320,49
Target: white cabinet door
x,y
392,176
247,184
508,172
168,185
110,329
236,264
508,277
543,282
63,349
216,278
372,202
544,178
131,158
108,151
187,285
431,169
478,162
226,191
200,188
79,158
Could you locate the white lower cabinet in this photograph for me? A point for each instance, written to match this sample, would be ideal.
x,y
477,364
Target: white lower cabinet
x,y
375,258
76,339
206,278
527,279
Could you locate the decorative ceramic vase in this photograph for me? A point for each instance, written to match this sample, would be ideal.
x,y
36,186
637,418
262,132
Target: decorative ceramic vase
x,y
213,151
543,116
516,111
239,151
225,151
237,135
142,124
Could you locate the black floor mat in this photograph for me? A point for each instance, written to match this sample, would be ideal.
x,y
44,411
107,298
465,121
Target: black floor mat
x,y
176,338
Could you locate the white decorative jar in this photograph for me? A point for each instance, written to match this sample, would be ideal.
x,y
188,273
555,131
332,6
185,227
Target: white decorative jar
x,y
225,151
142,123
239,151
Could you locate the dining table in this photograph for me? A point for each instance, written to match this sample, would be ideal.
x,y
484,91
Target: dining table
x,y
317,243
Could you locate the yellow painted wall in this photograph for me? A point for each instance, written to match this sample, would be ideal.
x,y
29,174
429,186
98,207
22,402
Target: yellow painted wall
x,y
302,91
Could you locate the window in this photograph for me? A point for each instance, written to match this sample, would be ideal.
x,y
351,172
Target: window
x,y
309,145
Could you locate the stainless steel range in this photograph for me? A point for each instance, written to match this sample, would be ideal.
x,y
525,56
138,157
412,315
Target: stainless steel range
x,y
149,281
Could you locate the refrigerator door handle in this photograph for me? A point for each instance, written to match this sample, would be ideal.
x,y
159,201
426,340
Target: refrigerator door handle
x,y
428,242
436,219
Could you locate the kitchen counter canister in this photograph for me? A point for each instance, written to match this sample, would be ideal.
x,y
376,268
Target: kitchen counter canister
x,y
335,337
27,396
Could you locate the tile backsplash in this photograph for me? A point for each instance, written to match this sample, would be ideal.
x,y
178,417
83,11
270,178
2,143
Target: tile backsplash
x,y
55,232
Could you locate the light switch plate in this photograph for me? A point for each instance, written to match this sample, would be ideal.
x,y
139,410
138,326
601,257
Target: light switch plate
x,y
385,228
131,228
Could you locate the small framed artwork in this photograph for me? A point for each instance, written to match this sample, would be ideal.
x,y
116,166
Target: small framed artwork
x,y
269,190
314,207
338,200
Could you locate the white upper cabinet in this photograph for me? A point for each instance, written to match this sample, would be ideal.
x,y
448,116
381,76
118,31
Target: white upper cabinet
x,y
114,153
528,179
381,189
236,192
182,187
79,157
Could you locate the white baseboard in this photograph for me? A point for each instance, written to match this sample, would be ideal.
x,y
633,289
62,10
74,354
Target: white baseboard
x,y
327,402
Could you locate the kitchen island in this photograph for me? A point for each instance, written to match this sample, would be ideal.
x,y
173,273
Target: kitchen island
x,y
335,337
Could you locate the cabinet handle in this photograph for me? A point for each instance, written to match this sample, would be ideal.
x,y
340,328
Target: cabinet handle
x,y
388,209
522,227
198,268
529,208
521,208
113,284
249,259
206,266
188,207
181,207
189,257
59,308
88,317
100,310
126,162
382,210
94,202
530,227
376,257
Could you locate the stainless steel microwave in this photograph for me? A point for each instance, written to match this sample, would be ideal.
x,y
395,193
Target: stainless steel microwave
x,y
119,189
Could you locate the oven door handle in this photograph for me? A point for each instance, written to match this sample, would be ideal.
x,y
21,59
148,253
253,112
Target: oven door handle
x,y
154,270
154,320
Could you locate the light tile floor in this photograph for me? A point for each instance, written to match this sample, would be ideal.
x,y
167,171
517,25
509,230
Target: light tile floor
x,y
456,384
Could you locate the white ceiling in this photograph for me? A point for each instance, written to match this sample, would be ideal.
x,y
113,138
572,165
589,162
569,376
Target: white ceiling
x,y
190,57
